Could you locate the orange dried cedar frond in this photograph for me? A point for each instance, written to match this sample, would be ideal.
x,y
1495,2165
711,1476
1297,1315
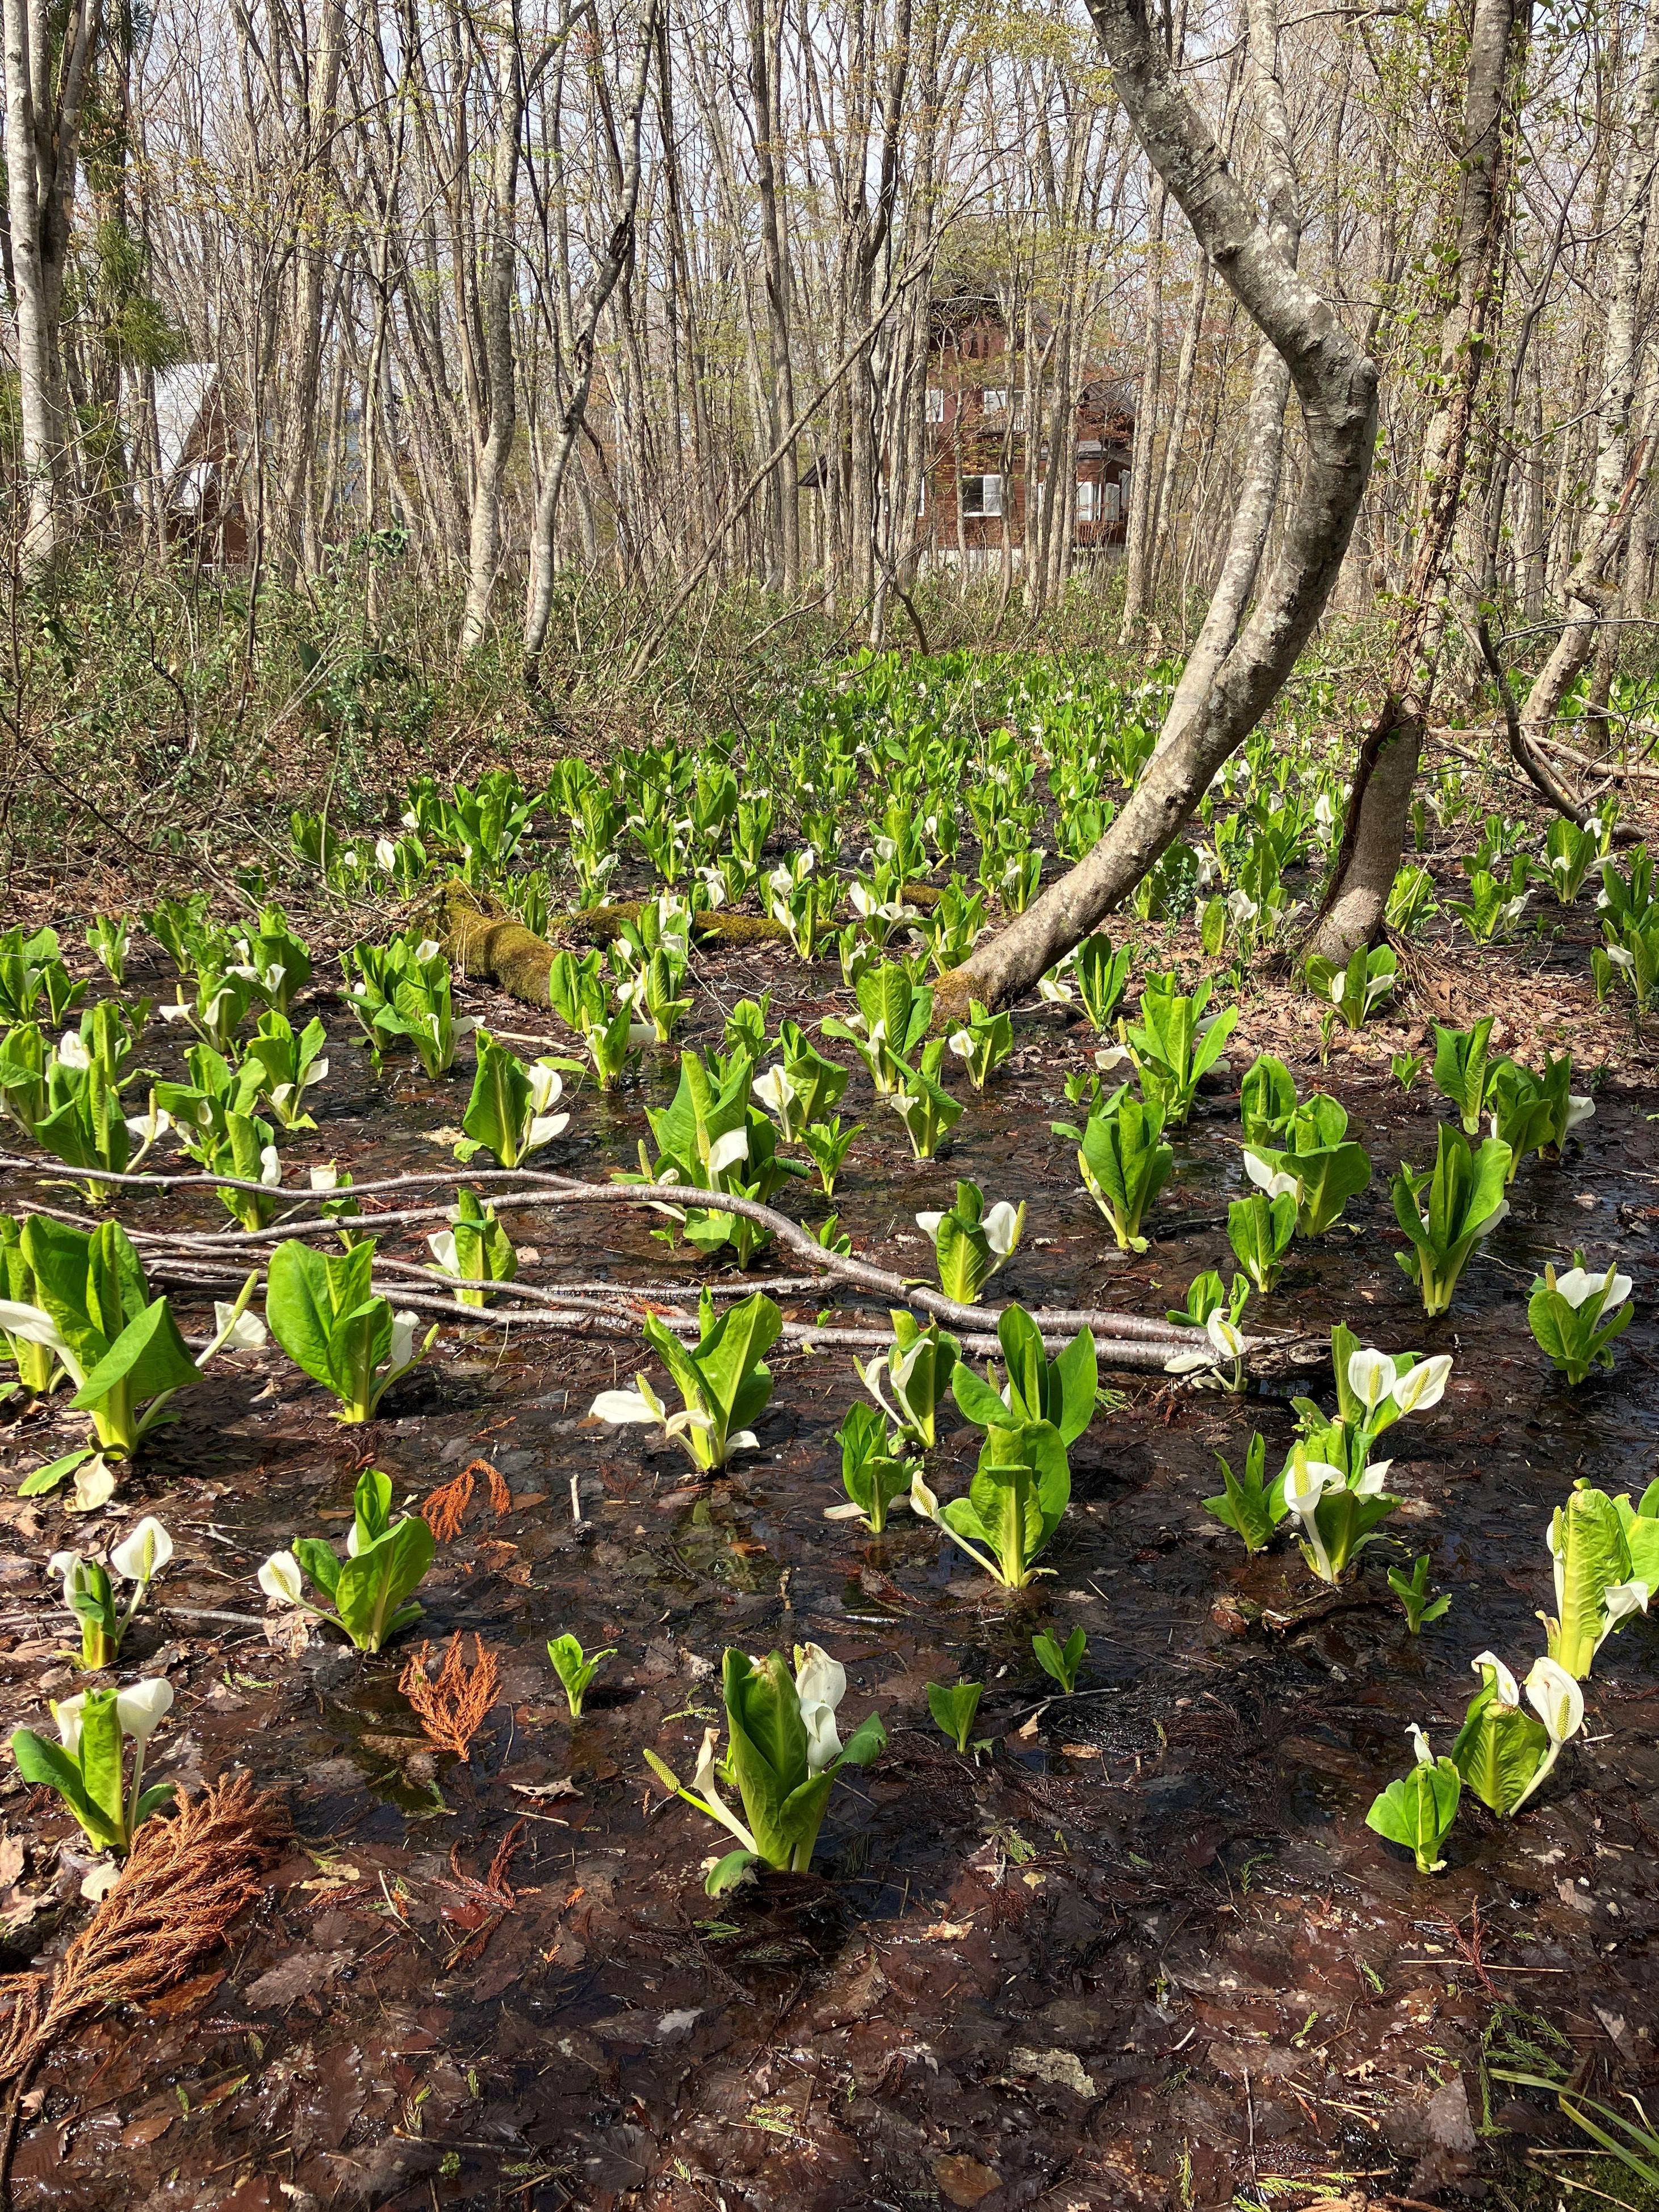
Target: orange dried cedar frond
x,y
185,1881
489,1900
445,1509
450,1705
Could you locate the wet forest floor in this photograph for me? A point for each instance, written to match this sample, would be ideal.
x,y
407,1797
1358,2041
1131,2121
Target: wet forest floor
x,y
1141,1951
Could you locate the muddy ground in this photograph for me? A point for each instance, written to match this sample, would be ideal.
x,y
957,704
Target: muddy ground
x,y
1143,1952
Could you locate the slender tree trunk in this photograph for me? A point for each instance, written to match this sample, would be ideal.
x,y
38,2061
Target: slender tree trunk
x,y
38,422
603,282
1336,383
485,541
1374,833
765,32
1137,558
1270,386
1592,585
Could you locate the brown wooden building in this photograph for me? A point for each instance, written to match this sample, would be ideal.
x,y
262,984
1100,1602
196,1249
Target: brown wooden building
x,y
982,449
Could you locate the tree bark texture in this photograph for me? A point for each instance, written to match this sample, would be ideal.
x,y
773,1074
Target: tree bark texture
x,y
1374,832
1335,382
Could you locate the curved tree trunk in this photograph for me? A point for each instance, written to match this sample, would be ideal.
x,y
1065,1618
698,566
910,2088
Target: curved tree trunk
x,y
1592,585
1270,387
1374,833
1335,382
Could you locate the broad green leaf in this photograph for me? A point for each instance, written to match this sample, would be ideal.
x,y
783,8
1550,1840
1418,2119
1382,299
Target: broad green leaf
x,y
102,1775
319,1562
150,1356
1497,1750
300,1308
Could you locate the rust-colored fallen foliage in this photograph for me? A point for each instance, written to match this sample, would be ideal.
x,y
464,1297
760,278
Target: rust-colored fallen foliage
x,y
484,1904
446,1509
451,1705
185,1881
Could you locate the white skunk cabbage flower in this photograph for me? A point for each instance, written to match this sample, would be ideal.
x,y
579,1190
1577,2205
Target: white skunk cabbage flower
x,y
1557,1700
148,1127
1579,1284
141,1708
703,1782
776,1091
141,1556
725,1152
1002,1224
241,1331
403,1326
1274,1181
1228,1342
1424,1385
546,1086
1509,1690
280,1577
820,1684
1305,1483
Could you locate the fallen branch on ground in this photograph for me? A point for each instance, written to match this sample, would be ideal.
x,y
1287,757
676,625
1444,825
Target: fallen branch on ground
x,y
1121,1336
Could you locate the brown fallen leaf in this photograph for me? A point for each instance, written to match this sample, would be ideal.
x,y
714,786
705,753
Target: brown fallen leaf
x,y
964,2180
186,1999
947,1931
139,2132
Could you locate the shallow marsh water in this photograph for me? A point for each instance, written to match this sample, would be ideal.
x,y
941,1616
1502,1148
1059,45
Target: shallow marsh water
x,y
1144,1952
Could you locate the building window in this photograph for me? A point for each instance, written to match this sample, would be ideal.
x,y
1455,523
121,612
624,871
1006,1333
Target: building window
x,y
1113,501
981,495
996,399
935,403
1019,410
1088,500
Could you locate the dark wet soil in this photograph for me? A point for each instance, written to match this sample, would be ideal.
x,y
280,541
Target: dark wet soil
x,y
1143,1951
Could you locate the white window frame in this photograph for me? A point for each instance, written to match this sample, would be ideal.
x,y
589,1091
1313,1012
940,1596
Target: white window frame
x,y
1112,504
1088,500
935,403
985,501
996,399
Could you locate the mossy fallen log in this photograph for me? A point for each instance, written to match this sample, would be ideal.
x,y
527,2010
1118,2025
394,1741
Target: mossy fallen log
x,y
485,939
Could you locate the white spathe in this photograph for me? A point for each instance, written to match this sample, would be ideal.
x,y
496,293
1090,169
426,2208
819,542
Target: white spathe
x,y
1556,1699
1579,1285
280,1577
141,1555
1509,1691
141,1708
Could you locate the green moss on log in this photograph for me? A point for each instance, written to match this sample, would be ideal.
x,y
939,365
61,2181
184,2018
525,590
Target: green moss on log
x,y
483,939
